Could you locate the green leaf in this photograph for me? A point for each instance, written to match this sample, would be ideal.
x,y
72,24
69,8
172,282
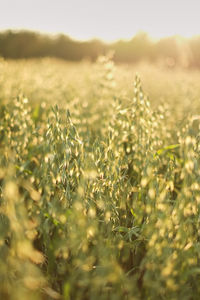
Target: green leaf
x,y
121,229
167,148
66,291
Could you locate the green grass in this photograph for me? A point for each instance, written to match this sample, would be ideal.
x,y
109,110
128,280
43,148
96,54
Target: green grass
x,y
99,184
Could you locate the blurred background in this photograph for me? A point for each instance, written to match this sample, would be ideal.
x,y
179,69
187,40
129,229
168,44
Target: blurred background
x,y
154,31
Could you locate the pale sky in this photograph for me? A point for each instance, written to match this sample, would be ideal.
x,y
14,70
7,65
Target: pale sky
x,y
105,19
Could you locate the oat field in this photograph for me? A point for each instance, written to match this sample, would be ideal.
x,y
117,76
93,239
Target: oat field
x,y
99,181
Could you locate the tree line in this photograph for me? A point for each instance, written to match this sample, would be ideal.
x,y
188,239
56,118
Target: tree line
x,y
172,51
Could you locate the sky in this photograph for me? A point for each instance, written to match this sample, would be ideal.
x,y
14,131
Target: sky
x,y
108,20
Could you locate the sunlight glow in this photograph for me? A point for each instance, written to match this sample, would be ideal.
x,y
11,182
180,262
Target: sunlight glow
x,y
107,20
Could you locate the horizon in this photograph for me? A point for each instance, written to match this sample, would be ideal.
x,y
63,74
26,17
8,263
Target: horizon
x,y
57,34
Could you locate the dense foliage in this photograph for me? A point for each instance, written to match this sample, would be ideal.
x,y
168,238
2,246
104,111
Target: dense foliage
x,y
99,186
171,51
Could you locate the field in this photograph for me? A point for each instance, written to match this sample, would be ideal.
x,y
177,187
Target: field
x,y
99,181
